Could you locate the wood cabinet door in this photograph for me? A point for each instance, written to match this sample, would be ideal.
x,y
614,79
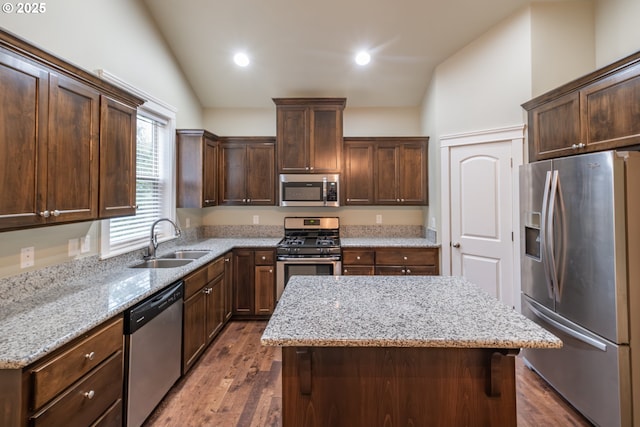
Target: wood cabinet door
x,y
243,280
73,163
357,181
117,159
194,335
555,128
412,173
293,139
260,174
233,166
386,175
265,289
610,109
215,306
210,173
325,140
228,286
23,122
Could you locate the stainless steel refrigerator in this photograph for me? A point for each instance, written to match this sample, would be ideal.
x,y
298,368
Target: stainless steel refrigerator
x,y
580,270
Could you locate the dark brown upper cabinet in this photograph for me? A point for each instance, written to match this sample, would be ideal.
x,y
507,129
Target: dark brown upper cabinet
x,y
309,134
59,153
197,170
247,171
386,171
599,111
117,158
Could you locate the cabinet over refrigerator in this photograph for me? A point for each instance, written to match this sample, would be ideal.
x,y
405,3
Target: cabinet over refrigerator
x,y
580,267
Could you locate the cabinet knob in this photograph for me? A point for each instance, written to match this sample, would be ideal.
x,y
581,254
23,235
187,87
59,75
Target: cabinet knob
x,y
264,257
209,201
244,200
311,168
456,245
227,260
404,257
56,212
90,394
134,206
90,356
358,257
345,271
248,200
398,200
306,168
576,146
45,214
402,200
408,271
403,271
271,270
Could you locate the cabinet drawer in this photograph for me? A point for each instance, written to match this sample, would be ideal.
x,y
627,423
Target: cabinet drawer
x,y
358,270
216,268
195,281
264,258
53,376
405,257
86,401
421,270
365,256
112,417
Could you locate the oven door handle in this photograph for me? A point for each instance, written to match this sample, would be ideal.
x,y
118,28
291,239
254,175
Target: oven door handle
x,y
323,260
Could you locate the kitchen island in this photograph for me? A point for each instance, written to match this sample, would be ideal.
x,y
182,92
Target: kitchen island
x,y
398,351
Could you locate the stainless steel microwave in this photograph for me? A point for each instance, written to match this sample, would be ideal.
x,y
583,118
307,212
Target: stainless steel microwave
x,y
310,190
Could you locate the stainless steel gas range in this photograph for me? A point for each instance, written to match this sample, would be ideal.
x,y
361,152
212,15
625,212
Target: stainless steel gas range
x,y
311,246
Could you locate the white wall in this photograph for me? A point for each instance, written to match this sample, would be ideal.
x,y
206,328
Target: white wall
x,y
562,43
617,30
357,122
115,35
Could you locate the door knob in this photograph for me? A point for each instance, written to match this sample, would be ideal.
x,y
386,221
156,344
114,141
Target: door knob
x,y
456,245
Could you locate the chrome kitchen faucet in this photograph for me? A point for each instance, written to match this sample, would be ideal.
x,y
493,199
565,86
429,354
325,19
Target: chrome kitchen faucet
x,y
153,243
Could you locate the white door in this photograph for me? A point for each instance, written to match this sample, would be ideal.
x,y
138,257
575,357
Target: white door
x,y
481,205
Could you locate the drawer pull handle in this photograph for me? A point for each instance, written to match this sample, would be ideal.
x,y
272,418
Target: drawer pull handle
x,y
90,394
90,356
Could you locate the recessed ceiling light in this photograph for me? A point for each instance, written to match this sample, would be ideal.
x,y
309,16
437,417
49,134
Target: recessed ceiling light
x,y
363,58
241,59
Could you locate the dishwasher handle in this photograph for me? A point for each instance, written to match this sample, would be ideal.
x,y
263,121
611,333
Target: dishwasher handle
x,y
138,316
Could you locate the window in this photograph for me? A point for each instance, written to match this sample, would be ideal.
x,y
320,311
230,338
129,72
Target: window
x,y
155,194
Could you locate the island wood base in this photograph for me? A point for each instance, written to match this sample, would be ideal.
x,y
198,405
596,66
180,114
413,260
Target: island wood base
x,y
388,387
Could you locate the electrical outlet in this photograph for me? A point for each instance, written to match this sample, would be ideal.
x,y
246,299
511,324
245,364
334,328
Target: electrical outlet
x,y
378,219
85,244
27,257
74,247
256,219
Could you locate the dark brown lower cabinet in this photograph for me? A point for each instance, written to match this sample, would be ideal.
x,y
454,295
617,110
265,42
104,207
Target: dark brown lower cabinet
x,y
391,386
390,261
203,310
79,384
254,277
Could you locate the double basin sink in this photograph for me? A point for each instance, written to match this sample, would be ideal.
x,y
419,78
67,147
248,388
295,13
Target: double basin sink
x,y
173,259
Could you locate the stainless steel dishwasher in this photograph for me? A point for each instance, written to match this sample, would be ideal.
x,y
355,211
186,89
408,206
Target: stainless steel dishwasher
x,y
153,343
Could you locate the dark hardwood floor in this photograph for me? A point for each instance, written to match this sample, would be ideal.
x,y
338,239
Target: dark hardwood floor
x,y
236,383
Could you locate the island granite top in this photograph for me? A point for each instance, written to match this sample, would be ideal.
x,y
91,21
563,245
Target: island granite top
x,y
397,311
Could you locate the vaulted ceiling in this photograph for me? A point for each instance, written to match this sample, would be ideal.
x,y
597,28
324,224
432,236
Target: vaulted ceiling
x,y
306,48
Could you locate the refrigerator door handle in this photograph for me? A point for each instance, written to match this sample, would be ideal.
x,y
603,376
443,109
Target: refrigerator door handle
x,y
567,330
543,226
550,234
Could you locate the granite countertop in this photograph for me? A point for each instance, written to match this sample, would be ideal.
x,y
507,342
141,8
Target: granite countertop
x,y
397,311
44,309
363,242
